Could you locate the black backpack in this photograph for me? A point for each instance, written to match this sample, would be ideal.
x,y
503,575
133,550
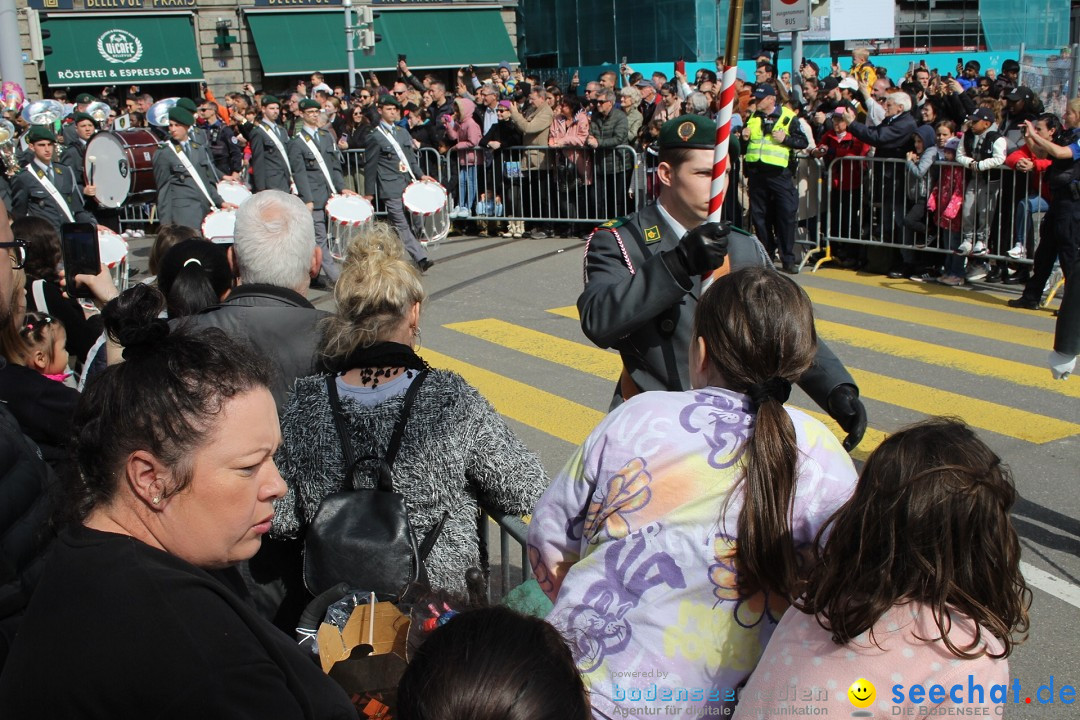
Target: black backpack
x,y
362,536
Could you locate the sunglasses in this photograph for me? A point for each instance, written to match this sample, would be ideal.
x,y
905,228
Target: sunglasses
x,y
398,92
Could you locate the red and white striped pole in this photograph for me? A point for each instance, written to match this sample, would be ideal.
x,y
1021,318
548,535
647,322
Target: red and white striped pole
x,y
719,187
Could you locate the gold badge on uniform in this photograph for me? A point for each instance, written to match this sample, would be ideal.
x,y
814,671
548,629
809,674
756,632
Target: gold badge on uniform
x,y
686,131
652,234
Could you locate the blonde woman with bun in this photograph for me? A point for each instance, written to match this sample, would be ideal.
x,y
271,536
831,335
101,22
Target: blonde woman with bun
x,y
455,449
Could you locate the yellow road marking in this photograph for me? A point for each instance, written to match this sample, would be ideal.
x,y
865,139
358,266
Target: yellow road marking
x,y
970,362
934,290
982,414
536,408
998,332
594,361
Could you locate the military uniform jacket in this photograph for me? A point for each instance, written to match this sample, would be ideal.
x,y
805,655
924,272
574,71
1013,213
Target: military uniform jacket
x,y
73,157
633,303
30,199
382,166
270,171
310,181
180,200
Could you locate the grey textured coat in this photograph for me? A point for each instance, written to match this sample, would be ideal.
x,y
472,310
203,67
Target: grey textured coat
x,y
456,450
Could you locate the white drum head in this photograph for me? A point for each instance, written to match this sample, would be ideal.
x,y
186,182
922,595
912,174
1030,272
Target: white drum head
x,y
218,226
424,197
111,171
349,209
233,192
112,248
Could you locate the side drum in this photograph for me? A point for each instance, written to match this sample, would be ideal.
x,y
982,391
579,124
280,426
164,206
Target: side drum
x,y
120,164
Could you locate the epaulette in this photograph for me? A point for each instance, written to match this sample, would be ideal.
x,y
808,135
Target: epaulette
x,y
617,222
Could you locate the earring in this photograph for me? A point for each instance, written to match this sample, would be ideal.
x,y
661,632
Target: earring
x,y
156,500
416,333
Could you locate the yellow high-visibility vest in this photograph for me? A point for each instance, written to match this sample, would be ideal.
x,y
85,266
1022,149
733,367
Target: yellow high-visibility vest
x,y
762,147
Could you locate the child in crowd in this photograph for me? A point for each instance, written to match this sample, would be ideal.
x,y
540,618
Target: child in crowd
x,y
943,131
944,203
492,664
845,187
981,149
918,584
45,352
919,165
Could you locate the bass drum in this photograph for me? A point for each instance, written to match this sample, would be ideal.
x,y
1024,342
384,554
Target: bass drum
x,y
120,164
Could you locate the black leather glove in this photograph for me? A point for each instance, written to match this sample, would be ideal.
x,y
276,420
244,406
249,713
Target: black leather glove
x,y
700,251
846,409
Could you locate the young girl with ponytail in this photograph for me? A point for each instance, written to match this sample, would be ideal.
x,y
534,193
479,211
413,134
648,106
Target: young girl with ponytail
x,y
671,542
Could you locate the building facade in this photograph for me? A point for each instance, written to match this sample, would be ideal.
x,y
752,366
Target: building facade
x,y
172,45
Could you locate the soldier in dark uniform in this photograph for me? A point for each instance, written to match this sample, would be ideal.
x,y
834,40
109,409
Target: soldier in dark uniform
x,y
74,154
387,174
82,101
310,146
31,193
184,198
195,132
643,280
269,159
220,138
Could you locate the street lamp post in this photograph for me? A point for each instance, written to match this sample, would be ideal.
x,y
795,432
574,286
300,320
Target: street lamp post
x,y
350,32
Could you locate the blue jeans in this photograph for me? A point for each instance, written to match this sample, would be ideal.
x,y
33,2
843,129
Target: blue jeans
x,y
954,264
1025,224
467,187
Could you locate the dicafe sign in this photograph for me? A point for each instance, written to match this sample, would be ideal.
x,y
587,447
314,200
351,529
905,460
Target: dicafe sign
x,y
129,50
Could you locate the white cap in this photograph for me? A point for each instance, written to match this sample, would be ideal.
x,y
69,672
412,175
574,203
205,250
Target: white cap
x,y
850,83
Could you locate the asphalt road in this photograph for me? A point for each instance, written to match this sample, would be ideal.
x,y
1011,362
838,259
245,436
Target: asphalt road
x,y
500,312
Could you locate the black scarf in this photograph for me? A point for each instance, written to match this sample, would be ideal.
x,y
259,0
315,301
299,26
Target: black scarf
x,y
380,355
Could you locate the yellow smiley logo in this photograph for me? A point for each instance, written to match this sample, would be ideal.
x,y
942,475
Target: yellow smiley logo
x,y
862,693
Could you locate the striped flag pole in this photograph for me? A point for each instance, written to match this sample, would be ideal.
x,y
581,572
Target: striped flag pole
x,y
719,187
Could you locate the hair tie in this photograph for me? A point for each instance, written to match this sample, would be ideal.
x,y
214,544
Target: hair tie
x,y
192,260
776,388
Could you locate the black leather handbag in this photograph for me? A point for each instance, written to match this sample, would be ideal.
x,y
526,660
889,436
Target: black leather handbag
x,y
362,536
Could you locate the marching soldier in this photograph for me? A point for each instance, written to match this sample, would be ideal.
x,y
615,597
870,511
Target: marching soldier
x,y
47,189
185,176
269,158
643,280
74,154
314,157
70,130
195,132
389,166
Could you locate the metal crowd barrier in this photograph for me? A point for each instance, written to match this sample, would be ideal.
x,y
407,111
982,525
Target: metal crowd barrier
x,y
137,214
510,528
545,184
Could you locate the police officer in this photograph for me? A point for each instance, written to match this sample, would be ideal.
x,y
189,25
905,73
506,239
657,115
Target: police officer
x,y
185,176
314,158
771,133
221,140
643,280
269,156
47,189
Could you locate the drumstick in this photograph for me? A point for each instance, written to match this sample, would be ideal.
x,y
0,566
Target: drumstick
x,y
90,179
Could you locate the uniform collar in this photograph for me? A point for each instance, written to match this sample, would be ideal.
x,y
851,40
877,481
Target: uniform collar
x,y
42,166
678,229
313,132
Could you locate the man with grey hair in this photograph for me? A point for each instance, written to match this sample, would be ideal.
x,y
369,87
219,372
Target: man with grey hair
x,y
609,128
274,257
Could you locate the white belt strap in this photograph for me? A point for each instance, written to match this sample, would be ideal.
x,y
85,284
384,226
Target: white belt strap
x,y
37,288
318,158
400,153
194,175
51,189
281,149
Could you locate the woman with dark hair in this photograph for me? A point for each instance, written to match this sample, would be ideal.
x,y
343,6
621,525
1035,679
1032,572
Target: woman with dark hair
x,y
167,236
492,664
917,583
44,292
176,484
673,538
194,275
353,136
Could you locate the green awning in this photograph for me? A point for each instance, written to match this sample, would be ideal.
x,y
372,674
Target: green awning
x,y
300,42
138,50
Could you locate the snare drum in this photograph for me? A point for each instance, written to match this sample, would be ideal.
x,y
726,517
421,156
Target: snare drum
x,y
218,226
349,215
233,192
429,205
114,252
120,164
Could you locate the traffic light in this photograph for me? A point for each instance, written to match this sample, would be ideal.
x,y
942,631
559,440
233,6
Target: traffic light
x,y
223,39
38,34
368,36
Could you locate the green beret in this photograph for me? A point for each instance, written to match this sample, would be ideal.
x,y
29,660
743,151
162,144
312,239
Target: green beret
x,y
688,131
84,99
270,100
307,104
78,117
389,100
182,116
40,132
188,104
